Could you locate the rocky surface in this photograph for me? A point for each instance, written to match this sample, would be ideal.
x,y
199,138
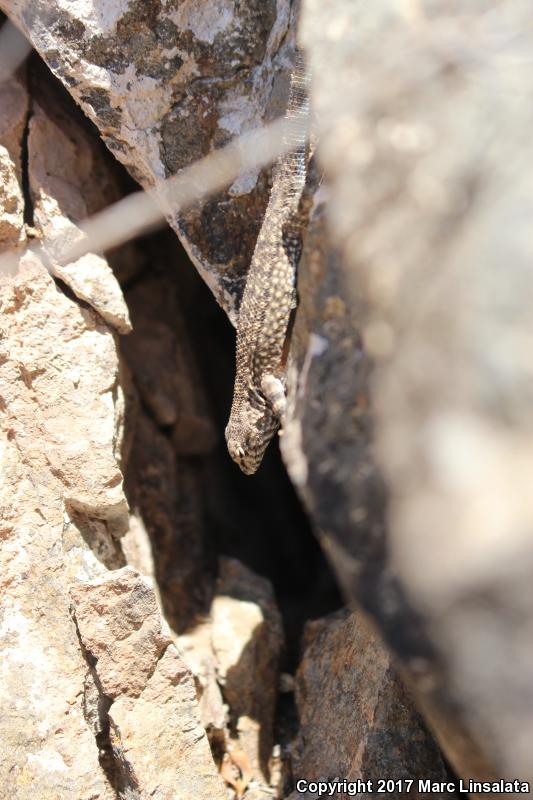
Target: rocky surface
x,y
69,180
63,507
409,385
165,83
59,364
164,484
159,355
14,105
356,720
247,641
147,689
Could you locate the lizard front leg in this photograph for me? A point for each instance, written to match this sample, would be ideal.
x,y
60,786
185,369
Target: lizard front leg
x,y
274,393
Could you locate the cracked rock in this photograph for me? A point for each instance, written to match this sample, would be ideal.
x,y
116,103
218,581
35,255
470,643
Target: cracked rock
x,y
152,691
61,412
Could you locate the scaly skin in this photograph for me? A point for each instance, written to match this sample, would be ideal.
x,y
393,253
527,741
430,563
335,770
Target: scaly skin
x,y
269,297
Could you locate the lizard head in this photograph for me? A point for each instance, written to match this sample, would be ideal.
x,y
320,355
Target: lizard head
x,y
248,435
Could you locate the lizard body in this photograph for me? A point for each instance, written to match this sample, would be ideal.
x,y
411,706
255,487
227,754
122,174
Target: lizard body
x,y
270,296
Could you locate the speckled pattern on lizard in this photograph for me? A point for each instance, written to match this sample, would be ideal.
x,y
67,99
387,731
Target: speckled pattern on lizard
x,y
269,296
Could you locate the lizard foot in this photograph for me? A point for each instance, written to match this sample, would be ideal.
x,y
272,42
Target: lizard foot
x,y
274,393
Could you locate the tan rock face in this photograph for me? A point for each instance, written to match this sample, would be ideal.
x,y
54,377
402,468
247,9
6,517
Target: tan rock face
x,y
14,105
120,627
165,85
63,507
59,379
152,691
165,716
62,164
57,383
12,232
14,102
58,362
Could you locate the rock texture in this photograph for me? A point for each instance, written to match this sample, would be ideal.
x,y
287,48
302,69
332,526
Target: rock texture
x,y
63,508
356,720
409,383
235,655
59,364
69,180
165,83
421,118
149,691
164,481
247,642
160,357
14,105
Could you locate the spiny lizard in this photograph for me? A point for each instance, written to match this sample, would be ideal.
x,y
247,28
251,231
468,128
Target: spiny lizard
x,y
270,296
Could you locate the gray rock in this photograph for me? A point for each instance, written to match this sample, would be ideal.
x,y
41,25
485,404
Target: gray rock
x,y
166,84
422,115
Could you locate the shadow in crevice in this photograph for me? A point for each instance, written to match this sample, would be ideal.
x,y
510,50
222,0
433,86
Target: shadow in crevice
x,y
197,507
97,535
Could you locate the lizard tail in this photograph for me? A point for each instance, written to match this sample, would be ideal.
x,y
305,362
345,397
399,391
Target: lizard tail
x,y
293,165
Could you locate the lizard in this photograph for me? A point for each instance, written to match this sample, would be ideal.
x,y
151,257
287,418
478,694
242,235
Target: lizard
x,y
269,296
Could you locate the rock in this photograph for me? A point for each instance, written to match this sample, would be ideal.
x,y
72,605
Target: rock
x,y
105,706
14,107
119,625
426,246
138,552
14,103
164,484
167,85
12,233
63,161
357,722
152,691
247,641
61,407
196,648
61,366
237,650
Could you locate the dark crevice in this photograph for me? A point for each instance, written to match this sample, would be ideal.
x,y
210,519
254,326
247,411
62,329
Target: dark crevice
x,y
258,520
25,166
65,289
